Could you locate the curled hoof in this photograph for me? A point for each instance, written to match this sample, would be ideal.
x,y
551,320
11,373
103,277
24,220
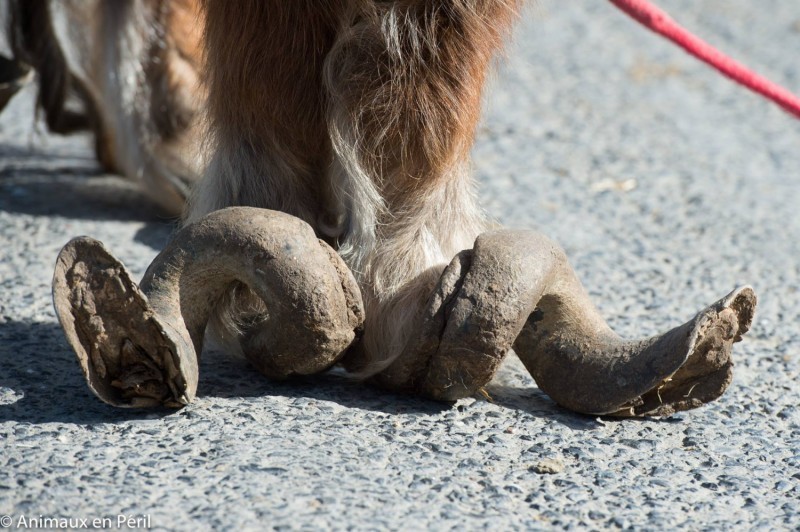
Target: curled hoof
x,y
139,345
516,288
708,369
126,353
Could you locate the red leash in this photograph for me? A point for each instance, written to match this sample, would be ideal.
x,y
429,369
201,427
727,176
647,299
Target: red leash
x,y
661,23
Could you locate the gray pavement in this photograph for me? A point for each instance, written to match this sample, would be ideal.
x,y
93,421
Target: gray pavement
x,y
666,184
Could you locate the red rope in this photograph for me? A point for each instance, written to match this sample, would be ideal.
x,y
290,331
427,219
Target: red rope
x,y
660,22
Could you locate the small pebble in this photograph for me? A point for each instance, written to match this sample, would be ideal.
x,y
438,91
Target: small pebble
x,y
549,466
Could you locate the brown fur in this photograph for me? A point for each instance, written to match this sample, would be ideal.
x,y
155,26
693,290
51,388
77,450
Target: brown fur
x,y
357,117
128,71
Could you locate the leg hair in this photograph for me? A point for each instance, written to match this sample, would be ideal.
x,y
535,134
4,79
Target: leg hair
x,y
358,118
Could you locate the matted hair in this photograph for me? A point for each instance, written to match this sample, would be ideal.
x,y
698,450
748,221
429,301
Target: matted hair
x,y
357,116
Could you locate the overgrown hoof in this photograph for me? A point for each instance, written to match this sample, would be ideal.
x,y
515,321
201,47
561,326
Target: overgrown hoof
x,y
517,288
126,354
139,345
708,369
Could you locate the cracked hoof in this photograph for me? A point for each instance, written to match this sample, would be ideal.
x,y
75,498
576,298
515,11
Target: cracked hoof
x,y
708,369
517,288
139,345
126,354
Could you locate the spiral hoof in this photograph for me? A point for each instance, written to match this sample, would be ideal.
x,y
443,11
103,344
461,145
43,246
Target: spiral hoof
x,y
139,345
708,369
126,354
517,288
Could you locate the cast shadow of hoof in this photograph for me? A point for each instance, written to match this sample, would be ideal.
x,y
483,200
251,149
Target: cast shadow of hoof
x,y
41,382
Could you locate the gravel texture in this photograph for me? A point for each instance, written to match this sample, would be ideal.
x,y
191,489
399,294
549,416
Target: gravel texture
x,y
666,184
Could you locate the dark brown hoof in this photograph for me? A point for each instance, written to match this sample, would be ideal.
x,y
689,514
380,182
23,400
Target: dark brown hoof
x,y
139,345
128,356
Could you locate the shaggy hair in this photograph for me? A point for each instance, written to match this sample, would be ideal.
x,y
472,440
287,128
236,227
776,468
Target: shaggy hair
x,y
358,117
127,70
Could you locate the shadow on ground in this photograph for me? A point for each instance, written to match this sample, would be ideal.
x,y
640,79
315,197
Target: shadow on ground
x,y
73,187
41,382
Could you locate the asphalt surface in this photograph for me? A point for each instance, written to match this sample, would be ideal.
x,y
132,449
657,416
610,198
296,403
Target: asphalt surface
x,y
666,184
